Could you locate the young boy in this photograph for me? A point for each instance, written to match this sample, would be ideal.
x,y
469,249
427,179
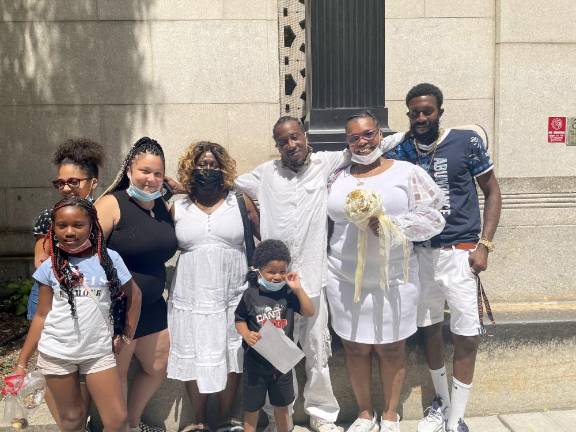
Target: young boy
x,y
273,294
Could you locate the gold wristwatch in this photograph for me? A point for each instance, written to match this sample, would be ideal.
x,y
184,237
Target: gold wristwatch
x,y
489,245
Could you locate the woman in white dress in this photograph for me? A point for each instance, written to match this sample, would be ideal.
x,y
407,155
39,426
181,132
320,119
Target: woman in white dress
x,y
376,315
205,349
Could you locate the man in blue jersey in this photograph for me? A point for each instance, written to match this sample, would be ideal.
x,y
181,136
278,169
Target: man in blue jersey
x,y
450,262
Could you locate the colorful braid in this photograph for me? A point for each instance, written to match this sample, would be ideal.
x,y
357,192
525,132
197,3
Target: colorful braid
x,y
59,260
118,306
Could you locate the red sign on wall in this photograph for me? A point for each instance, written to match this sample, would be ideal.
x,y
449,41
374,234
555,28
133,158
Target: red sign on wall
x,y
556,129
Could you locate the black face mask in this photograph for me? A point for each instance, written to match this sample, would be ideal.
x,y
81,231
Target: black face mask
x,y
208,179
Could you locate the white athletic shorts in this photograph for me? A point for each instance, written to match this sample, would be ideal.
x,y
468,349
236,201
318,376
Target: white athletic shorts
x,y
48,365
446,276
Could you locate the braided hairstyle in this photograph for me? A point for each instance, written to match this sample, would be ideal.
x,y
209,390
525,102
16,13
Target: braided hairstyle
x,y
144,145
69,277
268,250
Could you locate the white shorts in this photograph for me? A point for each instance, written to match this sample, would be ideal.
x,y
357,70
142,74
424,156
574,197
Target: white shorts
x,y
48,365
446,276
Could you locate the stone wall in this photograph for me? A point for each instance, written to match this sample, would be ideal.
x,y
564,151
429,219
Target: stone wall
x,y
181,71
115,70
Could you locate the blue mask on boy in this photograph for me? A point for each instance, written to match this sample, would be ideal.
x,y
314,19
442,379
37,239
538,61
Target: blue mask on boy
x,y
271,286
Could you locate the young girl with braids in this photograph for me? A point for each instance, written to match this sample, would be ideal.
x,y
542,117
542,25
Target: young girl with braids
x,y
89,306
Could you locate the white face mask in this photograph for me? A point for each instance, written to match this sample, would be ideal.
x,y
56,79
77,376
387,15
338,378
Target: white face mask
x,y
369,158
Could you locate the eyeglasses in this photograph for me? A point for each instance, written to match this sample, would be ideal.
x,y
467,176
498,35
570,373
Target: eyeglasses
x,y
368,135
73,183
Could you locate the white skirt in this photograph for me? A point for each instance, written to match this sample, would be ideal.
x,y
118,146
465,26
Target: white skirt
x,y
381,316
205,346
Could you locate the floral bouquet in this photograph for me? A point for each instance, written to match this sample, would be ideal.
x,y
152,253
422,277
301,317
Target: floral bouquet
x,y
361,205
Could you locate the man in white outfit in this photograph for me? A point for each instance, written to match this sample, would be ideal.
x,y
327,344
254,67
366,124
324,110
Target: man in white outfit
x,y
292,195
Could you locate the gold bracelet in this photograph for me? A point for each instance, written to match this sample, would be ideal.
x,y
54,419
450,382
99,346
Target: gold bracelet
x,y
487,243
21,367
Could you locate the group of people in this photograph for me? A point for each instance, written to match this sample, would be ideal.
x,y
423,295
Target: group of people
x,y
374,239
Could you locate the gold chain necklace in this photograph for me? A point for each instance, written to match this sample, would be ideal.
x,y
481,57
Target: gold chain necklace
x,y
420,153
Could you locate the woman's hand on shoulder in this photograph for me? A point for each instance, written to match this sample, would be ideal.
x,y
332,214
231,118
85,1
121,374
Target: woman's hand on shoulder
x,y
176,186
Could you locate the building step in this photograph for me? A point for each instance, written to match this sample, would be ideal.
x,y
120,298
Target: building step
x,y
525,363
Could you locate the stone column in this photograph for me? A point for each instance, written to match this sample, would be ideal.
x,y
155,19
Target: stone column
x,y
344,66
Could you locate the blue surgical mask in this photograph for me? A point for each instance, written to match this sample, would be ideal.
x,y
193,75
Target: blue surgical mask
x,y
271,286
141,195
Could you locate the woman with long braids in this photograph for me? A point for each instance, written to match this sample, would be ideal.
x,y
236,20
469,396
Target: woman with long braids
x,y
139,227
88,306
205,351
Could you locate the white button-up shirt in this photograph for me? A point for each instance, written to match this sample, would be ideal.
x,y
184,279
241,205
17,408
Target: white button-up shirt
x,y
293,209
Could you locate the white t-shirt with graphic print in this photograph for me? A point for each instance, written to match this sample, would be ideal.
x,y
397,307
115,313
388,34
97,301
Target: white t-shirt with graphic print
x,y
88,336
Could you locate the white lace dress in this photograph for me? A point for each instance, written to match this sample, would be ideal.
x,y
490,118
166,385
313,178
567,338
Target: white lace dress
x,y
206,288
411,199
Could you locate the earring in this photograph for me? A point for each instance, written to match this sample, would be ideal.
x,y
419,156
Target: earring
x,y
91,236
54,237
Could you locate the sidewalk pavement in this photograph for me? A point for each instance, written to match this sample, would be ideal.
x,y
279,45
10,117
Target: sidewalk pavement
x,y
548,421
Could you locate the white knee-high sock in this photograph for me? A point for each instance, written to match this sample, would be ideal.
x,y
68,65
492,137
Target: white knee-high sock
x,y
460,394
440,381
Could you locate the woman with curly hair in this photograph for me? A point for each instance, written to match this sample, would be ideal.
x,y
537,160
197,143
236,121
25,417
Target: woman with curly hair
x,y
89,305
137,224
77,162
210,222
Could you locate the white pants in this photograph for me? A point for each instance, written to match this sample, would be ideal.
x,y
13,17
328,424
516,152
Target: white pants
x,y
314,338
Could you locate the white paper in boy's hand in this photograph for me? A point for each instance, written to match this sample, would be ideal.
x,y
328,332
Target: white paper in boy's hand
x,y
278,348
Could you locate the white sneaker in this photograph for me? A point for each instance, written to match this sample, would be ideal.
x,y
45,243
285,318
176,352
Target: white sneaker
x,y
364,425
435,419
319,425
390,425
272,424
462,427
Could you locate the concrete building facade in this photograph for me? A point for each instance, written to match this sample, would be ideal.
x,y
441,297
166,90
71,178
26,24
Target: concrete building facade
x,y
183,70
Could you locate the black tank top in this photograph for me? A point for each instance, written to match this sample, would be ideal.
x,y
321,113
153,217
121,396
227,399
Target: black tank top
x,y
145,243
